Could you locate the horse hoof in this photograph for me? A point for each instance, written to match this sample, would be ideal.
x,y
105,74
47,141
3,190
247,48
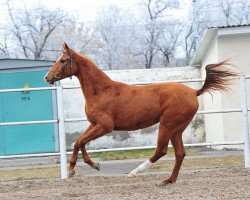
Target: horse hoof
x,y
97,166
161,184
166,182
71,174
132,175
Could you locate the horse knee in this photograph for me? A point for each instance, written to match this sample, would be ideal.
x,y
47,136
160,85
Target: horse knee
x,y
76,145
72,162
180,155
81,143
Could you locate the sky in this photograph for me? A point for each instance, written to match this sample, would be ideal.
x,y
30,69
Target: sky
x,y
86,10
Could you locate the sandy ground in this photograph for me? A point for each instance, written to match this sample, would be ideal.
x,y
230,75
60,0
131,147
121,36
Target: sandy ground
x,y
230,183
212,175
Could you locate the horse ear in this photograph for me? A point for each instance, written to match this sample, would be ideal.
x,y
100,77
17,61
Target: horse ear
x,y
67,49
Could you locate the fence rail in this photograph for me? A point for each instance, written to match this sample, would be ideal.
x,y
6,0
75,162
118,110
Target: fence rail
x,y
27,89
61,120
205,144
28,122
85,119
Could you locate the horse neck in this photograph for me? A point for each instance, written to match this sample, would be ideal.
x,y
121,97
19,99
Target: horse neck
x,y
91,78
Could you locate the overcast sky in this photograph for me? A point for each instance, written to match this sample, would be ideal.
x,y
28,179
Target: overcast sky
x,y
86,10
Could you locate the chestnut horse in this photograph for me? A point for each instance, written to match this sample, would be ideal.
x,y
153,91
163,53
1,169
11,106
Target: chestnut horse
x,y
112,105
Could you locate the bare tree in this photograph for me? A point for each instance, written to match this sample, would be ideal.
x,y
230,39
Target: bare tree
x,y
114,28
226,7
243,14
169,41
79,35
4,51
230,12
203,19
235,11
189,44
212,13
155,11
32,28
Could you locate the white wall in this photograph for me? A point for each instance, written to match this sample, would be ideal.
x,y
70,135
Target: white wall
x,y
213,122
74,108
227,127
237,47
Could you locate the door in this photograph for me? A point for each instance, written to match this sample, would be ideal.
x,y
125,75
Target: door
x,y
2,139
27,106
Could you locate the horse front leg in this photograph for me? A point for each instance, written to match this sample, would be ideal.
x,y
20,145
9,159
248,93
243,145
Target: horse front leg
x,y
95,132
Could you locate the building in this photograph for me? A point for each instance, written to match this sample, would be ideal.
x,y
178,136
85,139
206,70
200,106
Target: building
x,y
26,106
219,44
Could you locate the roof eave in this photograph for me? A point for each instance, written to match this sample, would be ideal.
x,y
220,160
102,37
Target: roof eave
x,y
203,47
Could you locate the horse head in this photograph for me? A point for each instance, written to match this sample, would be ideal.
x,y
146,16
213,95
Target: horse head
x,y
64,67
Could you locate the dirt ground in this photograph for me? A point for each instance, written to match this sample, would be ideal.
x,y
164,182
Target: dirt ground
x,y
221,183
209,175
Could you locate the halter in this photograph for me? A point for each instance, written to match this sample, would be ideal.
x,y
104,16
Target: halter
x,y
67,63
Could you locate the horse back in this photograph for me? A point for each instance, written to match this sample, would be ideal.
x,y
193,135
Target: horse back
x,y
136,107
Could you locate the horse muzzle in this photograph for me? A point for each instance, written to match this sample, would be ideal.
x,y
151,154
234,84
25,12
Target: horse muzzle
x,y
49,80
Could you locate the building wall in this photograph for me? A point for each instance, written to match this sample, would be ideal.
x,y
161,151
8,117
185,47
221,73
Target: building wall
x,y
237,48
213,128
226,127
74,108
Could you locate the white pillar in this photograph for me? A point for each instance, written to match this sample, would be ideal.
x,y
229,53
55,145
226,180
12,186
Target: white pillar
x,y
245,124
62,140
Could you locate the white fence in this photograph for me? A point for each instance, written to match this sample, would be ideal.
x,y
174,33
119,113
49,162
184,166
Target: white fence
x,y
61,120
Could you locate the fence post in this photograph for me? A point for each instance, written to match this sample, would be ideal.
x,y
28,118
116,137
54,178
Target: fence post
x,y
244,109
62,140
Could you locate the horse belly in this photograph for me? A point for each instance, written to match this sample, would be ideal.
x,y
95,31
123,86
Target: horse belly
x,y
137,119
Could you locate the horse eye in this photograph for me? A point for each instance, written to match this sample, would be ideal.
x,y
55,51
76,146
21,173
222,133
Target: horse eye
x,y
62,61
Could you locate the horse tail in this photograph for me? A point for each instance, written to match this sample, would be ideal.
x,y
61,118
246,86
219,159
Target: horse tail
x,y
218,77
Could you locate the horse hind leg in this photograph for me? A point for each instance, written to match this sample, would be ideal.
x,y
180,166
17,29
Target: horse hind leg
x,y
161,150
74,156
180,153
88,160
94,132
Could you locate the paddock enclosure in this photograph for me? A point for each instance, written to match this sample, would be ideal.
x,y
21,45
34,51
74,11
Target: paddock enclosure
x,y
60,120
223,182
